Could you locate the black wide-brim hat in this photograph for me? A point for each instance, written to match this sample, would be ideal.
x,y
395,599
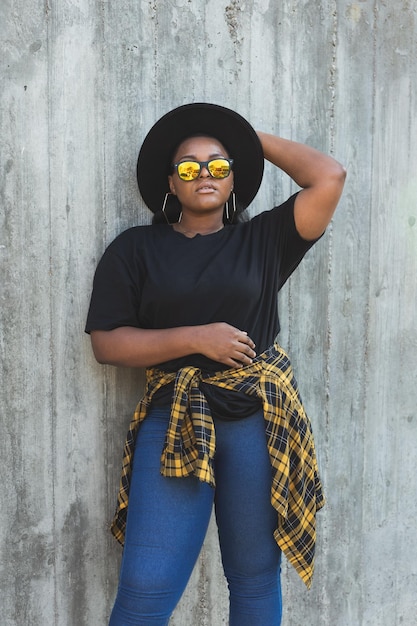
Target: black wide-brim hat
x,y
225,125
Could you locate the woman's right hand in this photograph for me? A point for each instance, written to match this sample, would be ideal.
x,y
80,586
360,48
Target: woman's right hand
x,y
226,344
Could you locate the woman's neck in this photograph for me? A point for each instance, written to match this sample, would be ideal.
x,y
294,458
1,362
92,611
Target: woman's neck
x,y
203,225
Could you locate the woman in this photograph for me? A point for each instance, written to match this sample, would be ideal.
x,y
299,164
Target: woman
x,y
193,298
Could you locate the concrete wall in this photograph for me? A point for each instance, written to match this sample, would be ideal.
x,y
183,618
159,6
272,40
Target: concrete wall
x,y
81,83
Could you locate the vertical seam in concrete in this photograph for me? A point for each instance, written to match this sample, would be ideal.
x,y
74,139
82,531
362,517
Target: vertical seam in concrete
x,y
332,106
365,356
325,452
157,98
52,377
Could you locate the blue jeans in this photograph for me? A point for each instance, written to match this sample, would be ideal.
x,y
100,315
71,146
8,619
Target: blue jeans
x,y
168,518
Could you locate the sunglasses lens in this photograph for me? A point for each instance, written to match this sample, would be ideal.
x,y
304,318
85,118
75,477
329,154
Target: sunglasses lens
x,y
219,168
188,170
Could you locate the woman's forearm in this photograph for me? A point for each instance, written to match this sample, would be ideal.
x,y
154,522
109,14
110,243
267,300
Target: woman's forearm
x,y
137,347
305,165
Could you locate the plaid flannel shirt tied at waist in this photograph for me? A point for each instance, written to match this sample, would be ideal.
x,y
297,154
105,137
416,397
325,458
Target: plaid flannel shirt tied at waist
x,y
296,491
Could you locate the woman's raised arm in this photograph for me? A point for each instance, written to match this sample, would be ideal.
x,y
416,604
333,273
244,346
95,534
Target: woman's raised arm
x,y
320,176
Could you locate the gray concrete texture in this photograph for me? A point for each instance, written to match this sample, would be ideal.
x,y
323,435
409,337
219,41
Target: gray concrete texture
x,y
81,83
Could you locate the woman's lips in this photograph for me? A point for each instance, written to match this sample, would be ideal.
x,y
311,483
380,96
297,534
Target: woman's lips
x,y
207,188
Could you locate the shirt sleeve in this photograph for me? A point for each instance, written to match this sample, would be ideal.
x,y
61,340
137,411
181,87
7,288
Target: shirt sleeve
x,y
116,290
282,238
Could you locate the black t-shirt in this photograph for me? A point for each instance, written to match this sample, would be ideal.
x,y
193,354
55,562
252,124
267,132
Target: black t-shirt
x,y
155,277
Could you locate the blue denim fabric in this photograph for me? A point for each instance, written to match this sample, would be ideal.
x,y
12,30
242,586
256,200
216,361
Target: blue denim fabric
x,y
168,518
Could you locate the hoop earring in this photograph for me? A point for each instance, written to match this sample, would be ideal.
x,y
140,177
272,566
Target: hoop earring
x,y
230,216
164,212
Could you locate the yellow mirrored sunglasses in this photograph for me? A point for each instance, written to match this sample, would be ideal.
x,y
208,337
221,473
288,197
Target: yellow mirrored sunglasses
x,y
190,170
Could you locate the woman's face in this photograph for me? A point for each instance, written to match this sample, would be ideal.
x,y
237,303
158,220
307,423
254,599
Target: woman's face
x,y
204,194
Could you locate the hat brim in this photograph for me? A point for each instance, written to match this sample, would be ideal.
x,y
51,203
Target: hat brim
x,y
230,128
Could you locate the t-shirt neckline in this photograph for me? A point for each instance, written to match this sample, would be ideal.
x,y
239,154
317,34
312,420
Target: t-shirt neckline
x,y
198,235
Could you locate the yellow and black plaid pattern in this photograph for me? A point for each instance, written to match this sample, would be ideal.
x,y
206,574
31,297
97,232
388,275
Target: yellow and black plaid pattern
x,y
296,491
